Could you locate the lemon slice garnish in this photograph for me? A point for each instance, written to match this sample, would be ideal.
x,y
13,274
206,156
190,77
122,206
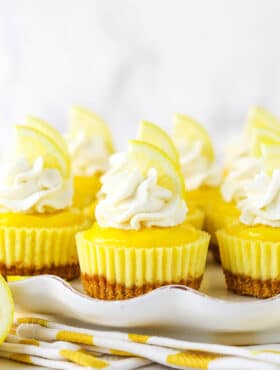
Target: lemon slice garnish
x,y
271,157
6,309
81,119
155,135
262,119
146,156
38,141
47,130
261,136
186,128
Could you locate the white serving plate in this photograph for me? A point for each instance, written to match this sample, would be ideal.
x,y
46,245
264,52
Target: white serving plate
x,y
213,314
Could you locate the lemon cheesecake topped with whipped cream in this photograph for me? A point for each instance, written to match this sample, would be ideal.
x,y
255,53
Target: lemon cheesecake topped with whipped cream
x,y
90,145
241,165
140,240
37,226
250,250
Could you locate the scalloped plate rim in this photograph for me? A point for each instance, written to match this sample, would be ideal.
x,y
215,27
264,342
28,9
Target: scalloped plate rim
x,y
145,296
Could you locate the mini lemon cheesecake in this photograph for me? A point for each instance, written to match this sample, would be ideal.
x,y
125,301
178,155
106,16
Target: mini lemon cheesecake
x,y
242,164
141,240
197,158
37,226
250,250
90,145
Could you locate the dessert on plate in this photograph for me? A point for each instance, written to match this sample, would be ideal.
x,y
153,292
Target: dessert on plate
x,y
240,167
197,157
250,250
140,240
90,145
37,226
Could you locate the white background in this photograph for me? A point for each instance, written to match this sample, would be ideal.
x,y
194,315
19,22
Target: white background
x,y
129,59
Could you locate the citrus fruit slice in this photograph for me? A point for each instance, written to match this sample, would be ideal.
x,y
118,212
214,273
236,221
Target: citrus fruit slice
x,y
146,156
91,124
153,134
261,118
260,136
186,128
33,143
47,130
6,309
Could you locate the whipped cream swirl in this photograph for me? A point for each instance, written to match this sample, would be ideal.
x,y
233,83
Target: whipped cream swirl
x,y
89,155
33,188
129,200
197,169
262,202
240,174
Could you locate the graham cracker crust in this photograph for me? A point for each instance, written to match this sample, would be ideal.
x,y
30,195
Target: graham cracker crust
x,y
214,248
68,272
245,285
98,287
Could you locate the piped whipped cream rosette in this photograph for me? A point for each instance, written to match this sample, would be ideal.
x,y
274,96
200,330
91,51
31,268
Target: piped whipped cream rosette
x,y
141,239
250,250
27,187
130,199
90,146
37,226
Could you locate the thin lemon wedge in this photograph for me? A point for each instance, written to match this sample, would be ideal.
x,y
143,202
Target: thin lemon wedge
x,y
262,119
153,134
89,122
47,130
39,139
271,157
186,128
6,309
146,156
262,136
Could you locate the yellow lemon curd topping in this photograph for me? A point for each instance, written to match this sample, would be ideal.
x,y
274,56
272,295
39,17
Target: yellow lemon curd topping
x,y
85,189
59,219
225,208
258,232
203,194
146,237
